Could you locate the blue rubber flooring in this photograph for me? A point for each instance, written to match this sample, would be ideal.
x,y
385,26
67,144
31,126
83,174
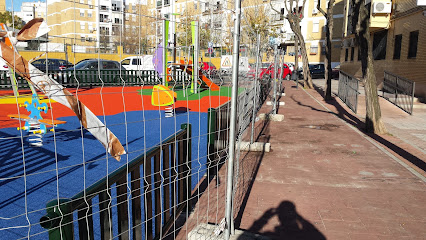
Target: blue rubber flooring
x,y
73,159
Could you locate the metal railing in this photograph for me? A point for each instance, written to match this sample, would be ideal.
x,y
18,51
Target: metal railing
x,y
163,173
348,90
399,91
90,78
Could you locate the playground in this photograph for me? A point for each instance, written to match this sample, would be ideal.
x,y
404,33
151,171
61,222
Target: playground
x,y
73,148
71,159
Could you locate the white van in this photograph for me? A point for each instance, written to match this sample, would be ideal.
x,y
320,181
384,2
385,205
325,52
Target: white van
x,y
138,63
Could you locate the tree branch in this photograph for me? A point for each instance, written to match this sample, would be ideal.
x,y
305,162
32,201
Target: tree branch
x,y
272,7
321,10
275,10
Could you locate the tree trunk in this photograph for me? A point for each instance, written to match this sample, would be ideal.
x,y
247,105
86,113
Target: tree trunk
x,y
328,49
373,119
296,56
306,73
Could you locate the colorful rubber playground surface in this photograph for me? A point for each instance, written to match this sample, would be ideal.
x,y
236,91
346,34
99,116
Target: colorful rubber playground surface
x,y
72,159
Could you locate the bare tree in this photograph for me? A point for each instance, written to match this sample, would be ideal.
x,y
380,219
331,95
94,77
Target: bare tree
x,y
135,33
256,20
328,38
294,17
361,25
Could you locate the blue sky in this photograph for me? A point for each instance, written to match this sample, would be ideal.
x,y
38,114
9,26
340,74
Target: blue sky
x,y
16,4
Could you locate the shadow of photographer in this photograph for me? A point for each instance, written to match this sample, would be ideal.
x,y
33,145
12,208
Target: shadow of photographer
x,y
291,224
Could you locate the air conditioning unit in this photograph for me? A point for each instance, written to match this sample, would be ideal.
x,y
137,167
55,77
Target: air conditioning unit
x,y
92,30
382,7
314,10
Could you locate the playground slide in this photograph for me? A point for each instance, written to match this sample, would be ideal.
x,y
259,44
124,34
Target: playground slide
x,y
205,79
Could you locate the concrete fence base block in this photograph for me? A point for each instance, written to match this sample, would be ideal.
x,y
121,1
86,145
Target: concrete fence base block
x,y
255,147
272,117
207,232
269,103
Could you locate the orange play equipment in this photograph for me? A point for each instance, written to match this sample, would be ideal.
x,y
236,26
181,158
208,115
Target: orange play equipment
x,y
23,117
203,78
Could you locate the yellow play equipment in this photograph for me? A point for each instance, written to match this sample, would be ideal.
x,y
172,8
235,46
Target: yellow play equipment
x,y
162,96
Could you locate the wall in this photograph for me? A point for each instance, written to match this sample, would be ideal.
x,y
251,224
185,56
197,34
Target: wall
x,y
410,68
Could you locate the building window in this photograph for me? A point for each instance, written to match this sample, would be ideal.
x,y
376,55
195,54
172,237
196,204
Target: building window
x,y
412,47
314,50
82,1
291,51
82,26
81,13
89,14
352,53
346,54
379,45
315,25
397,47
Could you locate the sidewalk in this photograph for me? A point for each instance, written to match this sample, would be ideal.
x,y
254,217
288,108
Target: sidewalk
x,y
324,179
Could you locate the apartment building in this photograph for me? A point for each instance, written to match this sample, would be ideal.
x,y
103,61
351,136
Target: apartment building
x,y
30,10
313,28
398,35
2,6
217,15
89,25
211,15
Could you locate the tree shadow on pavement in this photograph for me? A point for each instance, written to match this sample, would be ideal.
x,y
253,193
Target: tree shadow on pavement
x,y
291,224
353,120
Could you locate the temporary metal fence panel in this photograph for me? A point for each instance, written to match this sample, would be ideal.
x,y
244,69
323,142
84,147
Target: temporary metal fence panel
x,y
158,192
399,91
160,188
348,90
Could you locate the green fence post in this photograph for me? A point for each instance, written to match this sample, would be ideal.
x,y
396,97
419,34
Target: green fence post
x,y
58,220
188,167
211,158
211,118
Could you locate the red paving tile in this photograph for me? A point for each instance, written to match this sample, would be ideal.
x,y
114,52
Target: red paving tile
x,y
341,183
323,180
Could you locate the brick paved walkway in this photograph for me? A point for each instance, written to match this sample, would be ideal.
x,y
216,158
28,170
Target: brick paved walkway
x,y
326,180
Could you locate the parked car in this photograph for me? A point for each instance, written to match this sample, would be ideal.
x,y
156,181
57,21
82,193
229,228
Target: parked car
x,y
264,66
291,66
87,72
335,72
208,68
251,70
316,70
138,63
269,72
94,64
52,64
